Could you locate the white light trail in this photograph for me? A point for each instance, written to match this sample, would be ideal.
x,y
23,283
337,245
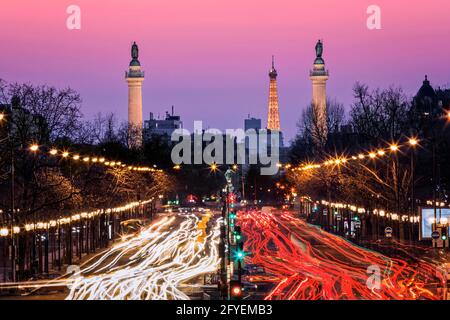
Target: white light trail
x,y
158,261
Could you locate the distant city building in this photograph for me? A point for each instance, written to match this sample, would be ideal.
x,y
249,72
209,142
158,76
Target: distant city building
x,y
319,77
252,124
162,127
253,149
134,77
229,143
426,100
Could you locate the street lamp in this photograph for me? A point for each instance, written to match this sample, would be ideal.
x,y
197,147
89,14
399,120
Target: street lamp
x,y
393,147
413,142
34,147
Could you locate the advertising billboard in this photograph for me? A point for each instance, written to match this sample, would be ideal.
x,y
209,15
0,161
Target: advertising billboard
x,y
427,219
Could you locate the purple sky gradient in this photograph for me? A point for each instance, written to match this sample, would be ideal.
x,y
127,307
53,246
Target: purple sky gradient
x,y
210,58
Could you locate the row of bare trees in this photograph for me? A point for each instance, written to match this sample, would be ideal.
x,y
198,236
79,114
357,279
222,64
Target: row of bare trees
x,y
51,117
37,186
398,181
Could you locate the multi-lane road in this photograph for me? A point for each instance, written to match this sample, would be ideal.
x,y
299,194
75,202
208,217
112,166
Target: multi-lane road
x,y
289,259
166,260
303,262
153,264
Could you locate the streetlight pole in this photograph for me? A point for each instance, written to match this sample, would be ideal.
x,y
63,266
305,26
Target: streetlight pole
x,y
394,149
12,194
434,178
13,216
412,142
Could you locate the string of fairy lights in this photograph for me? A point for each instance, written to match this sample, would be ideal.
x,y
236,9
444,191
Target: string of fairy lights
x,y
377,212
374,154
53,223
91,159
76,157
82,159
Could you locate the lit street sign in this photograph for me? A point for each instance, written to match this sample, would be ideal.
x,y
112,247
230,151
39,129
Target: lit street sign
x,y
388,232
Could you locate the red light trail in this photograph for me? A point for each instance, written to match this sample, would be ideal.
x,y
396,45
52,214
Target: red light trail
x,y
306,263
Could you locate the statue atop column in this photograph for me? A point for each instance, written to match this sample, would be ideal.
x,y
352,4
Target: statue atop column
x,y
134,55
319,52
134,51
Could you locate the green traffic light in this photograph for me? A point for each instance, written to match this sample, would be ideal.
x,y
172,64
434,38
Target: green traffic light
x,y
239,255
238,237
444,237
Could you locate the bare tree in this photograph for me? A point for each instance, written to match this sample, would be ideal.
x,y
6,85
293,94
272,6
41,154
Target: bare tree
x,y
310,140
379,114
130,135
42,112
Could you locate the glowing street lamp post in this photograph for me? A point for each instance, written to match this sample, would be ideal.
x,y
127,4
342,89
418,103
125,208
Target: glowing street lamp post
x,y
413,143
394,149
13,245
13,218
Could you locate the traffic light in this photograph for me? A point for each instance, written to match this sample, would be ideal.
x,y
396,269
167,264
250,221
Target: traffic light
x,y
237,233
239,254
235,289
232,215
444,233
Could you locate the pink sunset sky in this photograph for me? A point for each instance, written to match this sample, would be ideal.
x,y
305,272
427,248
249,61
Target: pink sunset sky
x,y
210,58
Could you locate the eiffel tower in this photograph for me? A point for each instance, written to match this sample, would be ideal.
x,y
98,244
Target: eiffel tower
x,y
273,117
